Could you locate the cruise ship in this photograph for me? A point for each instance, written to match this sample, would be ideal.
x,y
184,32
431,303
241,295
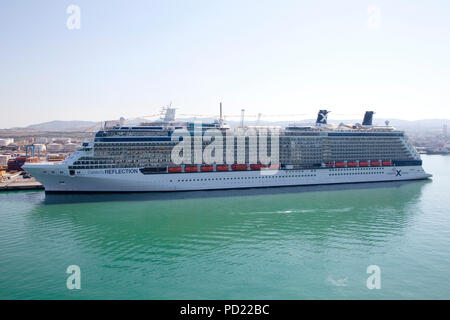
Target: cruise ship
x,y
171,155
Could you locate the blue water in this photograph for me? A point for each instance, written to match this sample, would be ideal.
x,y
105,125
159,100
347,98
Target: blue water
x,y
276,243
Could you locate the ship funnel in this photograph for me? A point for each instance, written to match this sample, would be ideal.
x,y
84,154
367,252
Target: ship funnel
x,y
368,118
322,117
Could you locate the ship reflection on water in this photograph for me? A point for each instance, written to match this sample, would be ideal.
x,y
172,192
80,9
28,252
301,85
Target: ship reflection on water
x,y
369,211
388,187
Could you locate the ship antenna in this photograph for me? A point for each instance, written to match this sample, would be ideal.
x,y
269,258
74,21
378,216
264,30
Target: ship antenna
x,y
220,117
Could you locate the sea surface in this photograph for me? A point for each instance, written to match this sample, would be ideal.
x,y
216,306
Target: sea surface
x,y
276,243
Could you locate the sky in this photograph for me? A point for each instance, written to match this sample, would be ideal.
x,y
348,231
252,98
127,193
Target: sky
x,y
130,58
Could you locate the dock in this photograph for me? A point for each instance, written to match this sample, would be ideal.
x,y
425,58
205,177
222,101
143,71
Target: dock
x,y
17,182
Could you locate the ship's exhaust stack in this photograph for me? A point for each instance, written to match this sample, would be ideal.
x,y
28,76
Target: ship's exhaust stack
x,y
322,117
368,117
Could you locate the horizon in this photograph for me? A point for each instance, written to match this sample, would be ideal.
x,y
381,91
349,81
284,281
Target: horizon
x,y
234,119
127,58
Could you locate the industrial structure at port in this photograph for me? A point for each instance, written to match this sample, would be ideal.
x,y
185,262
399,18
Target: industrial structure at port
x,y
14,154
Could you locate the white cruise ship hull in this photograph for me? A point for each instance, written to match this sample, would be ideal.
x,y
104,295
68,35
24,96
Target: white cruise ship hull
x,y
56,178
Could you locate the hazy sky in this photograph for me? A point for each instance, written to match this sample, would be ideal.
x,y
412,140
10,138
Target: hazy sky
x,y
272,57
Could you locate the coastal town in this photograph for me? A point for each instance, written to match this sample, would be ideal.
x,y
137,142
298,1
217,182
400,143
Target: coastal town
x,y
16,151
429,143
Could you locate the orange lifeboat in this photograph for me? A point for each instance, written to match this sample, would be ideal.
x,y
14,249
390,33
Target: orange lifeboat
x,y
223,167
239,167
191,169
386,163
257,166
174,169
329,165
363,163
206,168
351,164
374,163
339,164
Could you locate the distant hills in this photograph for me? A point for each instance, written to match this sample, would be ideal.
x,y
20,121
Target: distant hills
x,y
59,125
417,126
53,128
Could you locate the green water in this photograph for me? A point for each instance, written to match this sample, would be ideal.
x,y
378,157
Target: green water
x,y
281,243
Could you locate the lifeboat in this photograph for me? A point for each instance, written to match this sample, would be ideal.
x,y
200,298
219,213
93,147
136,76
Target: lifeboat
x,y
329,165
223,167
364,163
239,167
257,166
206,168
374,163
191,169
339,164
351,164
274,166
386,163
174,169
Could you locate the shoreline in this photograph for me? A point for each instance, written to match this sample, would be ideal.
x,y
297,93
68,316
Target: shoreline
x,y
17,182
